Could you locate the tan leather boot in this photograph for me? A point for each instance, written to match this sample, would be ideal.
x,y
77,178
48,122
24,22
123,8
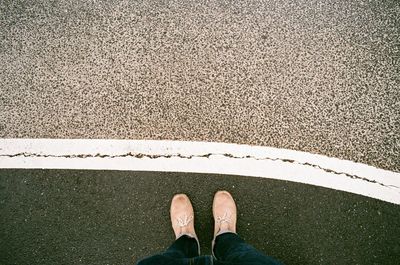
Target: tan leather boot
x,y
224,212
182,217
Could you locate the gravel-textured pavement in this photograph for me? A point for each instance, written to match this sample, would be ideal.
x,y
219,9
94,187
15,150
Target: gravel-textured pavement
x,y
116,217
314,76
317,76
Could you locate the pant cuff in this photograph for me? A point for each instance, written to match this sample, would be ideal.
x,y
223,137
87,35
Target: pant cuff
x,y
191,236
215,237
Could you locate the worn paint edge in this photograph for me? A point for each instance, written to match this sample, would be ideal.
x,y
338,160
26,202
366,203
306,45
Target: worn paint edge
x,y
202,157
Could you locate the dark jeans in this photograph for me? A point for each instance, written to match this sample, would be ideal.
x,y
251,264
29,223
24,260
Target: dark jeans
x,y
229,249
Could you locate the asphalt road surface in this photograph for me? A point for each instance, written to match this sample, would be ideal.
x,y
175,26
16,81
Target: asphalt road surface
x,y
316,76
117,217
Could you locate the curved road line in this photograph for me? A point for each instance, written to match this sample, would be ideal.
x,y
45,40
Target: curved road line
x,y
202,157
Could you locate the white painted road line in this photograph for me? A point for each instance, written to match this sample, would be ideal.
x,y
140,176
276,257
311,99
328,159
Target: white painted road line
x,y
202,157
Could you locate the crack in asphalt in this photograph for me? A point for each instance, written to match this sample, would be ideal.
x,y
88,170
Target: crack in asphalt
x,y
208,155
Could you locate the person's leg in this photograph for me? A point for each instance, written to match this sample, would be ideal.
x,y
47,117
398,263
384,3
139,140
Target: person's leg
x,y
186,245
228,247
183,249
